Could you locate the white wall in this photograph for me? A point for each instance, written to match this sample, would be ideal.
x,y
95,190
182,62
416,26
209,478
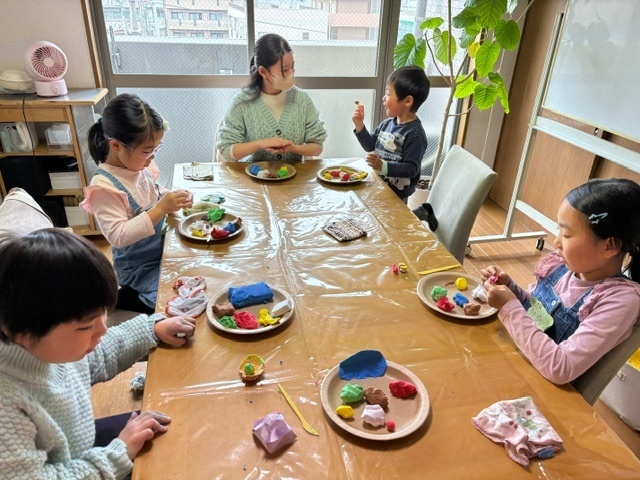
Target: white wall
x,y
59,21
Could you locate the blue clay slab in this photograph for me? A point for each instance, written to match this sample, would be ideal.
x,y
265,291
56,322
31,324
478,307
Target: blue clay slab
x,y
460,299
250,295
363,364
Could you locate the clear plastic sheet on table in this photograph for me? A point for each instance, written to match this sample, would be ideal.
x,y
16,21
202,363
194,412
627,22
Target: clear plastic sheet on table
x,y
346,299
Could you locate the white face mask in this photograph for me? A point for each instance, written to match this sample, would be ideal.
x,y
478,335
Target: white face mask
x,y
283,82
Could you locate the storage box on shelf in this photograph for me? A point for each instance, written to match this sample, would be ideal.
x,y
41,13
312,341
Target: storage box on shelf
x,y
58,128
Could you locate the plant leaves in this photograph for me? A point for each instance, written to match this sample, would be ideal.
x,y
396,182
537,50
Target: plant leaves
x,y
473,49
431,23
485,96
503,95
465,18
496,79
508,34
490,11
465,88
408,51
487,57
441,46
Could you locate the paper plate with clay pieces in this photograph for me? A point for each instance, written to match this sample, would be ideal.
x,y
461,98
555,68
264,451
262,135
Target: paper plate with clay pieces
x,y
447,280
408,414
271,171
221,297
198,227
342,175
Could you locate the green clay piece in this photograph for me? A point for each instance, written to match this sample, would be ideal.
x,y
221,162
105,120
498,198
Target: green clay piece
x,y
351,392
438,292
543,320
215,214
228,322
249,369
283,172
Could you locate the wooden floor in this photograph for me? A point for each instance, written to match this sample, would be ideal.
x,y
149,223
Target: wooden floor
x,y
518,257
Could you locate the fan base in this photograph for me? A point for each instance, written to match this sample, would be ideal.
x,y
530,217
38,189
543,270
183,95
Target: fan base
x,y
53,88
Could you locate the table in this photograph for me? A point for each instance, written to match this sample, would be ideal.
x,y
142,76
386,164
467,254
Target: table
x,y
346,300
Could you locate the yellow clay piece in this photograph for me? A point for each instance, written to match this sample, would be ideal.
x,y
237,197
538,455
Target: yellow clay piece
x,y
345,411
327,175
265,319
197,233
461,283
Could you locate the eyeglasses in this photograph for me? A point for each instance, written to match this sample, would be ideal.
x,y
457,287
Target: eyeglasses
x,y
145,155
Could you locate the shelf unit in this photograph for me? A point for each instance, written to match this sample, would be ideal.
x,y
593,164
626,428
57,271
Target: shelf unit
x,y
75,109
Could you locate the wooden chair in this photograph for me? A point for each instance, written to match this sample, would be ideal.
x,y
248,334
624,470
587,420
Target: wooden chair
x,y
592,382
456,196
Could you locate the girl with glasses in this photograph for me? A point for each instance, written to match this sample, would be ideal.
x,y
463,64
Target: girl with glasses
x,y
271,119
128,203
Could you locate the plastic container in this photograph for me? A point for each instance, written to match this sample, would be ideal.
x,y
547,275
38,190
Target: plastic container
x,y
62,180
15,139
59,136
621,395
76,216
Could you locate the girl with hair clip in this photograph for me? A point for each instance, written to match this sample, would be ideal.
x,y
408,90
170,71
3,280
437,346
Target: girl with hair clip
x,y
126,199
583,303
271,119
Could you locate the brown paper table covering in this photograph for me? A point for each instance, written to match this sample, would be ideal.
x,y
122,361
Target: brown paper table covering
x,y
346,300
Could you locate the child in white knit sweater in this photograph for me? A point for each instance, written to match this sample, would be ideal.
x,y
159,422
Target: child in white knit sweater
x,y
55,291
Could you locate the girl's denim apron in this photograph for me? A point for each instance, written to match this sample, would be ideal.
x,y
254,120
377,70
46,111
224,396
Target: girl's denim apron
x,y
565,319
138,265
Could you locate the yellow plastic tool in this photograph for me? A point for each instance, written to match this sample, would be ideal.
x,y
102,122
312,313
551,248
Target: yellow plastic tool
x,y
439,269
305,424
233,174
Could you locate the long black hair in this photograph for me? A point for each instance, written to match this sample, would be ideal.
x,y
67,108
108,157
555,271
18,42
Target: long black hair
x,y
611,206
126,118
50,277
268,51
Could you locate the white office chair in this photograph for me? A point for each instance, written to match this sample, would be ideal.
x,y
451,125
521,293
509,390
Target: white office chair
x,y
456,196
592,382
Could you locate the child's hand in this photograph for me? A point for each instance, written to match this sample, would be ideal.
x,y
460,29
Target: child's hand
x,y
497,276
498,295
374,161
175,331
175,200
141,428
275,144
358,117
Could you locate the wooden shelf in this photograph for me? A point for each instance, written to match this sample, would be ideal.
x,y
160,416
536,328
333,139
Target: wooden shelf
x,y
41,151
64,192
85,230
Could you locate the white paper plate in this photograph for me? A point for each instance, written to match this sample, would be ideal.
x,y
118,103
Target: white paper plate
x,y
222,297
408,413
184,227
272,167
426,284
336,180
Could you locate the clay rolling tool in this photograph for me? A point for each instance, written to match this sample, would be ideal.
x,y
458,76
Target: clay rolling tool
x,y
439,269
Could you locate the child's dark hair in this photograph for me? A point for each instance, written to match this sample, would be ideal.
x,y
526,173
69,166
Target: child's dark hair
x,y
50,277
269,50
611,208
410,80
128,119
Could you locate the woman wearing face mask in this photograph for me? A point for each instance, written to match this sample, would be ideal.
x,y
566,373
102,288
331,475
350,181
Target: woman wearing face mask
x,y
271,119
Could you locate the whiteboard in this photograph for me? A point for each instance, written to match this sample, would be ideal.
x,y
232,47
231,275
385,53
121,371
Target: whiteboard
x,y
595,77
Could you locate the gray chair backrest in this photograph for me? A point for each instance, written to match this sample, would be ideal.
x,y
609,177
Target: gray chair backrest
x,y
462,184
592,382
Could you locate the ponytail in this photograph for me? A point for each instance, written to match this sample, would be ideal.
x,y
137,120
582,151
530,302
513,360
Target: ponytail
x,y
98,144
269,50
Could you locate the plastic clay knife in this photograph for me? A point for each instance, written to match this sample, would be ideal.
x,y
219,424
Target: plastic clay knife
x,y
305,424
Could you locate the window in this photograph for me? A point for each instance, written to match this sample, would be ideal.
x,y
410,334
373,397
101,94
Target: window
x,y
343,52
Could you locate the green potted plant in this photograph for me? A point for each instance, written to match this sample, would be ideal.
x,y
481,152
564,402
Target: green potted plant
x,y
487,30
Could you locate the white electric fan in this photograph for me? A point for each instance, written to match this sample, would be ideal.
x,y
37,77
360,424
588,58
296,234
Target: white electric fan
x,y
46,63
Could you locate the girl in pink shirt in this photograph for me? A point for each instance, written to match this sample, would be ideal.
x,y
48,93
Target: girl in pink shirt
x,y
128,203
590,304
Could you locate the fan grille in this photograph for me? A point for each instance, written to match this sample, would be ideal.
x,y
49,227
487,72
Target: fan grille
x,y
49,62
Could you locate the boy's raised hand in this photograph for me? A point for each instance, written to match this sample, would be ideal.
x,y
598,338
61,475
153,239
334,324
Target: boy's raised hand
x,y
175,331
358,117
374,161
141,428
